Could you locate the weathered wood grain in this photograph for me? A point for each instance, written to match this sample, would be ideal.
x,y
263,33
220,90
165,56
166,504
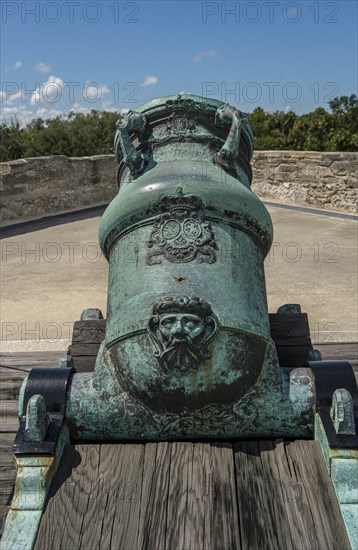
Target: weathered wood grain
x,y
220,497
99,501
124,495
286,498
322,503
26,360
339,351
83,349
7,468
193,496
70,495
154,495
89,332
263,522
157,469
7,474
202,510
9,421
295,501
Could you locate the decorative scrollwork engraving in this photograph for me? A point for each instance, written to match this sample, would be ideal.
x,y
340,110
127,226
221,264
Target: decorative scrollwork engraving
x,y
181,234
181,329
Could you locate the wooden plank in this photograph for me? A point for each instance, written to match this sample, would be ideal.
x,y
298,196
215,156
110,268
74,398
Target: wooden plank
x,y
9,421
292,356
285,497
220,498
96,498
69,498
263,520
7,474
289,325
89,332
120,528
154,496
339,351
286,487
180,463
10,383
310,467
202,512
28,359
83,349
302,527
191,496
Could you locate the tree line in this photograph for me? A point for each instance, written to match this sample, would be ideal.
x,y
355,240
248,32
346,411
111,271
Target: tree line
x,y
77,134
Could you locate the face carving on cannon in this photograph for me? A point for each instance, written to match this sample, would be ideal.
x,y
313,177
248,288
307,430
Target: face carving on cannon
x,y
181,329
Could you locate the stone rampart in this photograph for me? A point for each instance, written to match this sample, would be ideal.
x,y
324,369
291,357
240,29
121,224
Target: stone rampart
x,y
39,186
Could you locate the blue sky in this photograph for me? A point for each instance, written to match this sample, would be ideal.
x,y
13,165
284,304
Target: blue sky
x,y
63,55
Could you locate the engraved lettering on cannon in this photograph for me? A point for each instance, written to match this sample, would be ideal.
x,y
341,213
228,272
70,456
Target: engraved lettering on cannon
x,y
181,329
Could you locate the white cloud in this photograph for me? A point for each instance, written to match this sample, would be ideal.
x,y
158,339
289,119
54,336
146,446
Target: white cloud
x,y
47,113
43,67
124,111
93,91
20,113
109,106
24,115
77,108
288,108
17,65
200,56
15,96
8,97
149,80
49,92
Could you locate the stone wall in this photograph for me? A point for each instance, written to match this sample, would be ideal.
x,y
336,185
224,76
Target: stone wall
x,y
322,180
40,186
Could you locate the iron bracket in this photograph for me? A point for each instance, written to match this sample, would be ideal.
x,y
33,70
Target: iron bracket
x,y
331,376
50,386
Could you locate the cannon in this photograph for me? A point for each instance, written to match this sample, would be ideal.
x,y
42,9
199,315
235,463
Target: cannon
x,y
188,352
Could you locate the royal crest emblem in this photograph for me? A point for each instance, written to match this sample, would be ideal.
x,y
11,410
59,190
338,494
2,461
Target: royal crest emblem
x,y
181,235
180,125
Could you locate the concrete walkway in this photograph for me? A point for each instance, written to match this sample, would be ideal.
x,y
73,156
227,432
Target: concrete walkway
x,y
49,275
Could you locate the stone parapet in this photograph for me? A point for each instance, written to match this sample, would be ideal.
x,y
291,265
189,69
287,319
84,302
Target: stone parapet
x,y
39,186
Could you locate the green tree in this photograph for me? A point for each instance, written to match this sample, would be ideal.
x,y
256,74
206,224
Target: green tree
x,y
12,141
89,134
344,133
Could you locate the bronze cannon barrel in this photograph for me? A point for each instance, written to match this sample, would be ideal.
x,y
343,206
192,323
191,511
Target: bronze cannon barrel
x,y
187,350
185,225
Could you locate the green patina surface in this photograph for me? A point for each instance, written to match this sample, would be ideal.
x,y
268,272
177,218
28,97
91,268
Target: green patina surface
x,y
34,475
342,466
187,351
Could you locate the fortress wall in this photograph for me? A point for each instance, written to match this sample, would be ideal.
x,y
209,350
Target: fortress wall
x,y
39,186
318,179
